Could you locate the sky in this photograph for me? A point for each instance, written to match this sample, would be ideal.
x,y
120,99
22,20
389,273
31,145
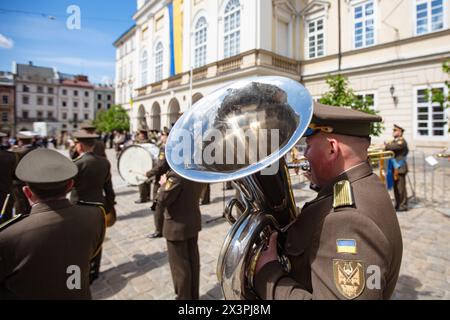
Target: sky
x,y
36,30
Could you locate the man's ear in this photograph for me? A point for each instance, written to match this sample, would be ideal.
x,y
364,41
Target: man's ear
x,y
27,192
69,185
334,147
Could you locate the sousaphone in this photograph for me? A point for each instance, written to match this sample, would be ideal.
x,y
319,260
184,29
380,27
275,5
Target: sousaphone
x,y
241,132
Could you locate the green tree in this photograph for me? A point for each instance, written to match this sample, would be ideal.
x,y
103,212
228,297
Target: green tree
x,y
116,118
439,96
341,95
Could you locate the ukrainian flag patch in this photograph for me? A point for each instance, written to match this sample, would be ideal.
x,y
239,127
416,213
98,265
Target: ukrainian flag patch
x,y
346,246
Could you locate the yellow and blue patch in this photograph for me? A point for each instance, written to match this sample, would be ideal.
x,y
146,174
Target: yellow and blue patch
x,y
346,246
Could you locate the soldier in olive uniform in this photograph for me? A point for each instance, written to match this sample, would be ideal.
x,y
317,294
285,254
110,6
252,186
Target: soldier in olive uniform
x,y
7,167
179,200
93,181
21,204
346,243
99,147
161,168
400,148
144,188
46,254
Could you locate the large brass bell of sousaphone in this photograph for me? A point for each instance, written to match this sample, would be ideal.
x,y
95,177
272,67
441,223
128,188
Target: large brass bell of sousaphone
x,y
241,132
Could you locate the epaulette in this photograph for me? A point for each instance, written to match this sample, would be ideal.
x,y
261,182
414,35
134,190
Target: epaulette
x,y
87,203
94,204
342,194
12,221
169,184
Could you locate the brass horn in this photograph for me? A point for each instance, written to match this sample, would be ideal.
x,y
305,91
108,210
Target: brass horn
x,y
242,133
377,159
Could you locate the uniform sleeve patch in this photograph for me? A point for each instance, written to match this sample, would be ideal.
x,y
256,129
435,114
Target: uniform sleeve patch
x,y
346,246
349,277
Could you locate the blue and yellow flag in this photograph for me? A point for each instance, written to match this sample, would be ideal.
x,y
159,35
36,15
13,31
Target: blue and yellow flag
x,y
346,246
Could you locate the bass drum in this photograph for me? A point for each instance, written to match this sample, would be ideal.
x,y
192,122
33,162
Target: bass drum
x,y
135,160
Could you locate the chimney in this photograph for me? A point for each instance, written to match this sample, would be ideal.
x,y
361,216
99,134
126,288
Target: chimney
x,y
81,77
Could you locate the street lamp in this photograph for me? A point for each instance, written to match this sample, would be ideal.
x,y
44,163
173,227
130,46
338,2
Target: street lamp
x,y
392,91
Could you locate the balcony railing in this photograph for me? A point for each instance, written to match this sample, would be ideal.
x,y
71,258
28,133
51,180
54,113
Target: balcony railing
x,y
200,73
175,81
38,119
285,64
245,60
229,65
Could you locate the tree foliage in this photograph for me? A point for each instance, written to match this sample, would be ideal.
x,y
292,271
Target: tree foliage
x,y
341,95
116,118
440,96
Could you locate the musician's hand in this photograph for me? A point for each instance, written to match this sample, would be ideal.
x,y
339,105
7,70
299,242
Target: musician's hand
x,y
163,179
268,255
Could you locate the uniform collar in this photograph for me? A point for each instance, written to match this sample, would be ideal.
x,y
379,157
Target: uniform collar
x,y
353,174
50,206
86,154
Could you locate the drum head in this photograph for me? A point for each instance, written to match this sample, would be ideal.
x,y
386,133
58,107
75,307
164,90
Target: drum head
x,y
133,163
152,148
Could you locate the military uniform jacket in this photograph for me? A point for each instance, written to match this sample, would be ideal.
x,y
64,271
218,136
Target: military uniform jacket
x,y
7,167
400,148
36,252
335,248
93,181
161,166
180,199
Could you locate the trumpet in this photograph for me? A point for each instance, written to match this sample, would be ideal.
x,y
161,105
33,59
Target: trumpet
x,y
443,154
376,155
301,163
377,158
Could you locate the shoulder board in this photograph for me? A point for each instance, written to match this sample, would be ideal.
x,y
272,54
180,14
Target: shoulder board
x,y
170,184
12,221
86,203
342,194
93,204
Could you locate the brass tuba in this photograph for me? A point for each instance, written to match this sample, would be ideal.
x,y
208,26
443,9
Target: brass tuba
x,y
241,133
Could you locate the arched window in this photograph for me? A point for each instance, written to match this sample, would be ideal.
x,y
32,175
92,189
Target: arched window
x,y
232,33
200,42
159,62
144,70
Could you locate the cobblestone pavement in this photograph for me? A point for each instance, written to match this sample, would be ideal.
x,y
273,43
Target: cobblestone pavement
x,y
136,267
